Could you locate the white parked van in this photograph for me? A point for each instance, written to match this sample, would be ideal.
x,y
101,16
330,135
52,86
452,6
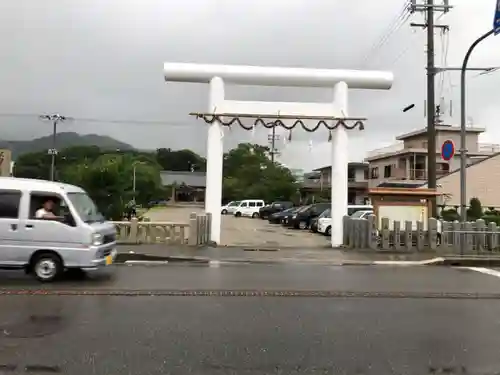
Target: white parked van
x,y
249,208
74,236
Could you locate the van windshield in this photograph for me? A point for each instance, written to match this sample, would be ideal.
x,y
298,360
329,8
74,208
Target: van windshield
x,y
86,208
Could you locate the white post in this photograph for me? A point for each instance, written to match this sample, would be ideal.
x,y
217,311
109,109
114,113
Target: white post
x,y
340,159
213,191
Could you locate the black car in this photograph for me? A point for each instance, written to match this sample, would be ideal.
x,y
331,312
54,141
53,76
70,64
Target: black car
x,y
278,217
303,217
286,216
274,207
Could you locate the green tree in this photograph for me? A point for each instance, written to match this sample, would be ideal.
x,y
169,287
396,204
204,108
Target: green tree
x,y
109,181
249,173
475,210
180,160
33,165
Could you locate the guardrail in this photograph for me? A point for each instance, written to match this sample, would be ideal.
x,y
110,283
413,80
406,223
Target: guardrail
x,y
449,237
195,232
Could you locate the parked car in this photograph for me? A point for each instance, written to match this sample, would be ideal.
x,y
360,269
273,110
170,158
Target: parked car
x,y
249,208
325,223
274,207
362,214
315,221
302,218
278,217
229,208
352,208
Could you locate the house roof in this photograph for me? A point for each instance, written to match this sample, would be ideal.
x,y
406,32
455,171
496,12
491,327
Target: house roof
x,y
194,179
353,164
483,177
470,165
397,185
439,128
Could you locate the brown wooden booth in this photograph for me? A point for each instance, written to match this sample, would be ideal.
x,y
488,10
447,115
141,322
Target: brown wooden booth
x,y
416,197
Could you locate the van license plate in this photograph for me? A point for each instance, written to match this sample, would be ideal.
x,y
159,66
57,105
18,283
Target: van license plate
x,y
109,260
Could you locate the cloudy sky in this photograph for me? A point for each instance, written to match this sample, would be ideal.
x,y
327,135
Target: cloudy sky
x,y
103,59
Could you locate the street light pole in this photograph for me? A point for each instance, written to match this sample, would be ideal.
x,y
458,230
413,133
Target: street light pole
x,y
463,129
133,183
53,151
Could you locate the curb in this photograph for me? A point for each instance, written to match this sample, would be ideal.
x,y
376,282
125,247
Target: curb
x,y
151,260
427,262
471,262
134,258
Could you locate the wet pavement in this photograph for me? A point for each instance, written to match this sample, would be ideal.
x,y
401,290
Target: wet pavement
x,y
244,231
383,320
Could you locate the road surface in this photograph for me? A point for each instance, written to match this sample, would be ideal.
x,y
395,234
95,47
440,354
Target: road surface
x,y
312,320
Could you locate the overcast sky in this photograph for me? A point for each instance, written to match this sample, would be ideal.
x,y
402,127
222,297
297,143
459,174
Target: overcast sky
x,y
103,59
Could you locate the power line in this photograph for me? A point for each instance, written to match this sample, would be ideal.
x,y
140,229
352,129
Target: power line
x,y
103,121
398,21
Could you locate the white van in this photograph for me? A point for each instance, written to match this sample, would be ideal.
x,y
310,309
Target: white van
x,y
249,208
77,238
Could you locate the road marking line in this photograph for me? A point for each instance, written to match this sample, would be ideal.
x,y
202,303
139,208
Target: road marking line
x,y
486,271
146,262
408,262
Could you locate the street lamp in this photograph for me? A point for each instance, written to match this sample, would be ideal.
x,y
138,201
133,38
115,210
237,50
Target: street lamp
x,y
463,129
55,119
134,165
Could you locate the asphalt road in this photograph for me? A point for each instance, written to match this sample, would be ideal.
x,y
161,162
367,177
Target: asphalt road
x,y
425,320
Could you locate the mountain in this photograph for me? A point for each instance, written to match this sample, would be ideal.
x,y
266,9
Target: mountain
x,y
64,140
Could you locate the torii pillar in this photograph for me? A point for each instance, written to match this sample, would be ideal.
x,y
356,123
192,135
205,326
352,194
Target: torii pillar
x,y
339,80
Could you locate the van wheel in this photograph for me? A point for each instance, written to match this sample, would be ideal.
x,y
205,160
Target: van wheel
x,y
224,211
328,231
237,214
47,267
255,215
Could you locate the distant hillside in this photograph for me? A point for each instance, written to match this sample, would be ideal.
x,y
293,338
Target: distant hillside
x,y
64,140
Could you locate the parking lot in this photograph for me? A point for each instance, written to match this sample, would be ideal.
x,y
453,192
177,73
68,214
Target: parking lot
x,y
246,231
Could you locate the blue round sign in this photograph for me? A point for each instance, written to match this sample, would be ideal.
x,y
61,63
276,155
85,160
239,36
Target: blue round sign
x,y
448,150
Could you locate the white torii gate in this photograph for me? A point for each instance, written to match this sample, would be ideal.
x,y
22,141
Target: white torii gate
x,y
219,108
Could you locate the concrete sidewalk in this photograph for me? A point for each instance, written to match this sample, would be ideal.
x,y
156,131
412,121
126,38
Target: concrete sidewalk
x,y
242,255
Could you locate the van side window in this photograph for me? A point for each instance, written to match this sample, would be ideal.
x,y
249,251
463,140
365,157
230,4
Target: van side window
x,y
37,201
251,204
260,204
9,204
244,204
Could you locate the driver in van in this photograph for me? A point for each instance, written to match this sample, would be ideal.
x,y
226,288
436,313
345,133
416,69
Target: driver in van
x,y
46,212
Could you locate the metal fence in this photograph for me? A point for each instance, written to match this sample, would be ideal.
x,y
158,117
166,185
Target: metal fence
x,y
448,237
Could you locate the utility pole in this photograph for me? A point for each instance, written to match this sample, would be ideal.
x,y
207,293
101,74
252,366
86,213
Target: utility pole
x,y
55,119
272,138
430,8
